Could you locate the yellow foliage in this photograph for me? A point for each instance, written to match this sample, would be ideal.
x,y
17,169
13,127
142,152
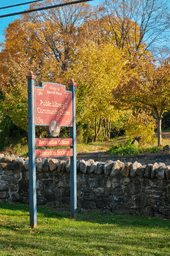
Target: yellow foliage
x,y
141,124
97,70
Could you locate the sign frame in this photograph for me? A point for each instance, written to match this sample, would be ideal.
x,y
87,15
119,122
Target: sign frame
x,y
32,144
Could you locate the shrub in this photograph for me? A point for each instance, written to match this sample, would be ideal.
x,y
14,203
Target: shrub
x,y
130,149
141,123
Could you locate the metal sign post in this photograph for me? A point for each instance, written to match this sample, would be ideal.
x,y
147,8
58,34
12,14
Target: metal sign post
x,y
31,149
73,168
52,106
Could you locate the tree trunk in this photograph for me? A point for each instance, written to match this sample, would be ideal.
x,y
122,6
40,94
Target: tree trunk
x,y
110,126
105,129
159,130
97,130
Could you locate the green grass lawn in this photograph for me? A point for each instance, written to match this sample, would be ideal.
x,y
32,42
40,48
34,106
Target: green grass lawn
x,y
93,233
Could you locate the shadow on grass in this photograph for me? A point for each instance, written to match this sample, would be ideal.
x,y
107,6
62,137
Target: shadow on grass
x,y
91,216
100,234
63,248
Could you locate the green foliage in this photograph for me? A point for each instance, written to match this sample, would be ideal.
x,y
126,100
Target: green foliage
x,y
152,149
128,148
10,134
166,121
5,127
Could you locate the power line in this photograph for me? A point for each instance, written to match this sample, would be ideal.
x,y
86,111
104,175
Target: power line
x,y
44,8
15,5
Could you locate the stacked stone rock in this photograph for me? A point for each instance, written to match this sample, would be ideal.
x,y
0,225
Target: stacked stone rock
x,y
10,175
111,186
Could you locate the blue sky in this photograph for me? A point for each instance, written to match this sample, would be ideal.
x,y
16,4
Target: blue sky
x,y
4,22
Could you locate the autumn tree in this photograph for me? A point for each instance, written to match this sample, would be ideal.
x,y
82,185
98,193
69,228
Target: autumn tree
x,y
42,42
137,24
145,86
96,69
17,58
56,28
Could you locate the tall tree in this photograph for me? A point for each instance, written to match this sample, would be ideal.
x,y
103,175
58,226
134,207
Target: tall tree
x,y
57,28
42,42
136,23
145,86
97,69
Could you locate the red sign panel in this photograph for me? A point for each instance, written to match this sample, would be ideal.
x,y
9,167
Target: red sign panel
x,y
54,153
53,142
53,106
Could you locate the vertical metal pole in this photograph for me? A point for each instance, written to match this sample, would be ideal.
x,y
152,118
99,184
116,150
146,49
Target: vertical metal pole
x,y
31,149
73,167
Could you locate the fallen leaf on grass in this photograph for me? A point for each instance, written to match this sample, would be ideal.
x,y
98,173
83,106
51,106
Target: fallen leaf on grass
x,y
100,248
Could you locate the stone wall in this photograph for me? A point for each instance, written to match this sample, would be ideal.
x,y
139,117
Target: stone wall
x,y
163,157
123,188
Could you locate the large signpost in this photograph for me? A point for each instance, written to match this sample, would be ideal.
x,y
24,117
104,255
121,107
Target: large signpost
x,y
52,106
